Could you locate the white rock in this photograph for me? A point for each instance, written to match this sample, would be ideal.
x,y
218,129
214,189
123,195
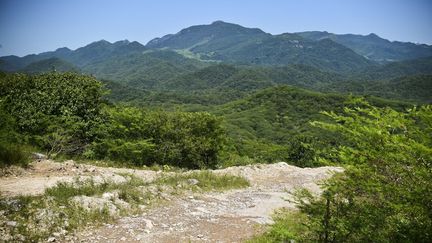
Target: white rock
x,y
11,223
192,181
148,224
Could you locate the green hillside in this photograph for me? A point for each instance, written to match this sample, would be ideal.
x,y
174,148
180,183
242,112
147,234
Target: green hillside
x,y
374,47
48,65
274,124
236,44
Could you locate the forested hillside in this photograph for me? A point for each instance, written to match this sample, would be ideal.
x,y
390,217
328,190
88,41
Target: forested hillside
x,y
222,95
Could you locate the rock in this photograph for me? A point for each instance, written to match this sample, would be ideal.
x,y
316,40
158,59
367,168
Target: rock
x,y
109,195
51,239
11,223
38,156
148,224
192,181
94,203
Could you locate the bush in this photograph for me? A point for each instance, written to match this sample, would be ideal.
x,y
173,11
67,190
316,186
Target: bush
x,y
13,154
54,111
180,139
385,192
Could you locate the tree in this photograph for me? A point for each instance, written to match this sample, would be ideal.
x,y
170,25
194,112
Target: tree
x,y
385,193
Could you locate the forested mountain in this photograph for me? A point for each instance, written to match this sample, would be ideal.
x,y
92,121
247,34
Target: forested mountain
x,y
81,57
374,47
221,62
274,123
395,69
144,69
50,64
233,43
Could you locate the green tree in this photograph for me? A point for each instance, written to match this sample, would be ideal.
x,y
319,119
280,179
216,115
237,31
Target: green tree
x,y
56,111
385,193
191,140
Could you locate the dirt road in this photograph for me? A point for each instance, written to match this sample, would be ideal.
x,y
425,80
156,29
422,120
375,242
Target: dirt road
x,y
232,216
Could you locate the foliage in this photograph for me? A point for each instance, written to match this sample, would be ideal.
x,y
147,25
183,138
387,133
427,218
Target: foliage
x,y
273,124
191,140
385,193
55,111
288,226
50,65
12,150
207,181
374,47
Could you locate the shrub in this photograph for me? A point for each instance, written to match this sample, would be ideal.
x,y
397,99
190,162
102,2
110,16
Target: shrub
x,y
180,139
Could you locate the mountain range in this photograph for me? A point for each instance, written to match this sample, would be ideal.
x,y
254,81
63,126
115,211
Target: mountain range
x,y
224,56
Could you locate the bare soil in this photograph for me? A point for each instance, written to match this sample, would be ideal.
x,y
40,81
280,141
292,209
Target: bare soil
x,y
230,216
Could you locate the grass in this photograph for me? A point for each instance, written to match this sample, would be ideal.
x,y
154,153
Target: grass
x,y
13,154
38,217
207,181
129,165
288,227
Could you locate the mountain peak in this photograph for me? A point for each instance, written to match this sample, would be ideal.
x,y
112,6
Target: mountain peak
x,y
122,42
63,49
218,22
373,35
101,42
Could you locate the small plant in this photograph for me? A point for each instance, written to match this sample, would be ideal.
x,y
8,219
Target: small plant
x,y
13,154
288,227
205,181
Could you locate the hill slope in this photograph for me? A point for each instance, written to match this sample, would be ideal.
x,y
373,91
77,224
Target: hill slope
x,y
50,64
227,42
374,47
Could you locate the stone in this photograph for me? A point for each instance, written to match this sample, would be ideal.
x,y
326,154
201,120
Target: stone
x,y
94,203
148,224
11,223
38,156
51,239
192,181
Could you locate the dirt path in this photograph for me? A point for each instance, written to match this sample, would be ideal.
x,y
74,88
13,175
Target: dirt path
x,y
47,173
231,216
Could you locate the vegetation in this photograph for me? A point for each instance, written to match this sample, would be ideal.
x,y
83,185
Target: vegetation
x,y
222,95
384,193
207,181
188,140
273,124
374,47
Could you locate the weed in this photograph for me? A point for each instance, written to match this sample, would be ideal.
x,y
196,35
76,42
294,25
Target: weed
x,y
288,227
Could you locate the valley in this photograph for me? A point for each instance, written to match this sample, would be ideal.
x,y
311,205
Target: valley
x,y
218,133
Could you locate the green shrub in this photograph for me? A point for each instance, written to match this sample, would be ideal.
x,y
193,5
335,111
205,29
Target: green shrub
x,y
55,111
179,139
385,193
13,154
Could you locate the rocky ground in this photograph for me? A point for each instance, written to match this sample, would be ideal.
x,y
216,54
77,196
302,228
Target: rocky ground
x,y
230,216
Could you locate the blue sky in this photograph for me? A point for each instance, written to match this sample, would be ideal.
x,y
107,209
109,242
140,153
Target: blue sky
x,y
34,26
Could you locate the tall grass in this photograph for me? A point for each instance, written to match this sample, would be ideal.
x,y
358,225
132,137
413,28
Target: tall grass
x,y
13,154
